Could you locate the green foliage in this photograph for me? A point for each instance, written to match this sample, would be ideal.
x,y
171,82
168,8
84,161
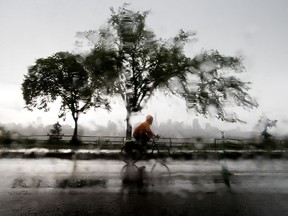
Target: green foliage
x,y
56,130
62,76
214,87
55,134
103,66
5,136
141,63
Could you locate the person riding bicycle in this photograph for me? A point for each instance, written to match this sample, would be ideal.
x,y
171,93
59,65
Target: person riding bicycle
x,y
143,132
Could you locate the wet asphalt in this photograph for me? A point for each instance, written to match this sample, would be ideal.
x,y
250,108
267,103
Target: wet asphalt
x,y
53,186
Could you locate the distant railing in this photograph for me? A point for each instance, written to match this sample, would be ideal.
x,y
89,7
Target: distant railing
x,y
115,140
171,142
248,143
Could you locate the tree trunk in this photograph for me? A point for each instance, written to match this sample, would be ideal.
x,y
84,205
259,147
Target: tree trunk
x,y
74,139
128,125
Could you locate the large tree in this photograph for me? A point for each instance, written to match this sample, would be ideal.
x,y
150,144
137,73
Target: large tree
x,y
145,64
62,76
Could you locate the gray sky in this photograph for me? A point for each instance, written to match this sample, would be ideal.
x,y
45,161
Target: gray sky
x,y
255,29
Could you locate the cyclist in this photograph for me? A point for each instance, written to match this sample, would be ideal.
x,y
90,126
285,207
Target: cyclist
x,y
143,132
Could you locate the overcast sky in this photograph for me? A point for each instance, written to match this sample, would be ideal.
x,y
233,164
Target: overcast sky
x,y
255,29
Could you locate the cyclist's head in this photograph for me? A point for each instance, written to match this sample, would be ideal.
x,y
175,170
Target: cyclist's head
x,y
149,119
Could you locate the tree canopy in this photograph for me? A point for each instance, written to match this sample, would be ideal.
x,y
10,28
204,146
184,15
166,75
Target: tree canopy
x,y
144,63
127,59
63,76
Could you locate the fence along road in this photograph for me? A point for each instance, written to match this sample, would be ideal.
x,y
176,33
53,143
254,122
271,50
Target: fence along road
x,y
187,143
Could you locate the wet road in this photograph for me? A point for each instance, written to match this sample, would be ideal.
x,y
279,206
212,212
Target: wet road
x,y
108,187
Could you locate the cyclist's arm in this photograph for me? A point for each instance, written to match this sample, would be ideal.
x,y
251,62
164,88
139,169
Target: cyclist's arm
x,y
150,133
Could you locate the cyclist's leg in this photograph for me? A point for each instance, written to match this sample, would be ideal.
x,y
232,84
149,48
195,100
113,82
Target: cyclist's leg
x,y
144,143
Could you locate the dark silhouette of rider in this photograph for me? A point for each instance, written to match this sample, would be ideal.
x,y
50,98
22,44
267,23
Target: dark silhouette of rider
x,y
143,132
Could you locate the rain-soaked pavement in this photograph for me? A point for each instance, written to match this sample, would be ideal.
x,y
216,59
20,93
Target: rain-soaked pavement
x,y
51,186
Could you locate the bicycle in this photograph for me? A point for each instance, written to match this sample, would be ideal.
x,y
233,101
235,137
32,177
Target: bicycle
x,y
132,151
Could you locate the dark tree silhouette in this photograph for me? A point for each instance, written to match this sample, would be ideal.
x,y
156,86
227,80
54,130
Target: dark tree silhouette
x,y
5,135
144,64
264,123
55,134
62,76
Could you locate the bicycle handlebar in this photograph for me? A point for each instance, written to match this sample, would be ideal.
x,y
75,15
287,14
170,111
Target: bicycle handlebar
x,y
157,137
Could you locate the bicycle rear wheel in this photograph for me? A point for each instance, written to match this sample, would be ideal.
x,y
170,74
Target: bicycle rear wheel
x,y
131,154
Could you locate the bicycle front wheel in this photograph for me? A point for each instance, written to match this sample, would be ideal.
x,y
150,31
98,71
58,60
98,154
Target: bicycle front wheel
x,y
160,151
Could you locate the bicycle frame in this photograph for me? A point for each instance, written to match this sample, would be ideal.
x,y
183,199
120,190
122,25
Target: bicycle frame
x,y
135,152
